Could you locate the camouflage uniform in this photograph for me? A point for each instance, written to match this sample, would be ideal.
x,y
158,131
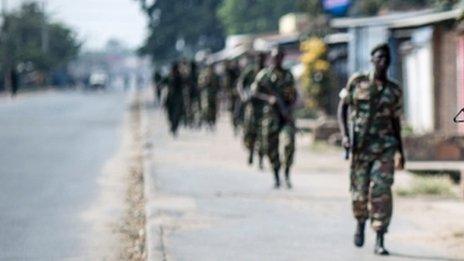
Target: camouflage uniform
x,y
277,82
194,95
209,87
372,110
252,136
187,94
174,102
232,74
158,85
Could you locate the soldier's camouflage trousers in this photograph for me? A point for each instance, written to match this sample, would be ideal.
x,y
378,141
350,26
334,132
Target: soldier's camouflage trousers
x,y
277,135
175,112
253,134
371,181
209,109
234,103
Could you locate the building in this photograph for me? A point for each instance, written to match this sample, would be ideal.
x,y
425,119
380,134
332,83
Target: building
x,y
337,55
428,53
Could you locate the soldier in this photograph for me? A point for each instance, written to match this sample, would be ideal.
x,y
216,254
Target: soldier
x,y
276,87
209,88
174,100
194,93
186,75
374,137
232,73
157,84
14,78
252,132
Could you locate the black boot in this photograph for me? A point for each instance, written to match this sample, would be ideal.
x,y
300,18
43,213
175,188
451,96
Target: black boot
x,y
276,178
359,234
379,245
261,162
287,177
250,158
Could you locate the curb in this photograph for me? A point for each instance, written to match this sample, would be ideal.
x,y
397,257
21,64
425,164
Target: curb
x,y
154,247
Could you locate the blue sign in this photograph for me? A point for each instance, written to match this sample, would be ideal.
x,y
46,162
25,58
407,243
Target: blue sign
x,y
336,7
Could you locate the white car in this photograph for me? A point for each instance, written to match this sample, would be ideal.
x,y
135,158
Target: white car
x,y
98,80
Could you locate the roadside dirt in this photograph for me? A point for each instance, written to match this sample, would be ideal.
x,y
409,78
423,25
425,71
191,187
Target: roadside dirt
x,y
132,228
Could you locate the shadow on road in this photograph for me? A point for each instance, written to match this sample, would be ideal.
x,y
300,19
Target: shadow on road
x,y
420,257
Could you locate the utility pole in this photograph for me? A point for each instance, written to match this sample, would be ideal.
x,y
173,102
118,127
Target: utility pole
x,y
44,36
4,43
4,3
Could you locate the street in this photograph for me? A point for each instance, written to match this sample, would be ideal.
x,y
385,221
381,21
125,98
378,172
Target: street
x,y
55,146
63,192
128,128
205,203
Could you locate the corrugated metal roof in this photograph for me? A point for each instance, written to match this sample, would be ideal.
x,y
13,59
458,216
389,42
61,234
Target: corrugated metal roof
x,y
268,42
399,20
227,54
427,19
337,38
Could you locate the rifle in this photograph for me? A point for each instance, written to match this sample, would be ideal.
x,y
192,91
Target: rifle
x,y
283,109
349,150
347,153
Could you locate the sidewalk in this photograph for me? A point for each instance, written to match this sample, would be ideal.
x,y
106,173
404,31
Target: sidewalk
x,y
205,203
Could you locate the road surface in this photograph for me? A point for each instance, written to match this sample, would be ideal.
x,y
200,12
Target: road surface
x,y
54,146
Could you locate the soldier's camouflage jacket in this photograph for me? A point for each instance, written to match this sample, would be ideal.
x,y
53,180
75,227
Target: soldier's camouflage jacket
x,y
279,82
255,106
377,104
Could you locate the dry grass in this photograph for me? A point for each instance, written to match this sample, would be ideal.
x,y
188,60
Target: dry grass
x,y
324,147
133,225
423,185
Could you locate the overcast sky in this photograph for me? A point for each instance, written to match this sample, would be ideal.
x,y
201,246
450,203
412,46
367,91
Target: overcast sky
x,y
97,21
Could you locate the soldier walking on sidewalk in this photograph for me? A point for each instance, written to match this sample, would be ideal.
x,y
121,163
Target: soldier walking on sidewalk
x,y
276,86
252,131
209,85
231,75
372,104
174,99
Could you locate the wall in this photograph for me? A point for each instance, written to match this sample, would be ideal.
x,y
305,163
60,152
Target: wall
x,y
418,81
338,74
445,68
460,77
362,41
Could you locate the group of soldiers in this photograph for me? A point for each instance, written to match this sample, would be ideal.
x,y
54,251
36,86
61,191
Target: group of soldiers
x,y
191,98
259,98
260,101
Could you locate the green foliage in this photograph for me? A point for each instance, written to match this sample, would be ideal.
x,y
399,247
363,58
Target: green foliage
x,y
367,7
372,7
202,24
312,7
306,113
192,21
314,58
255,16
22,40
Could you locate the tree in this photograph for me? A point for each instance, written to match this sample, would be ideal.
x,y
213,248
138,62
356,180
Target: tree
x,y
316,66
255,16
22,40
312,7
372,7
189,25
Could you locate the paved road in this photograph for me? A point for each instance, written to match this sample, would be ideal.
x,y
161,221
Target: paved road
x,y
53,148
206,204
